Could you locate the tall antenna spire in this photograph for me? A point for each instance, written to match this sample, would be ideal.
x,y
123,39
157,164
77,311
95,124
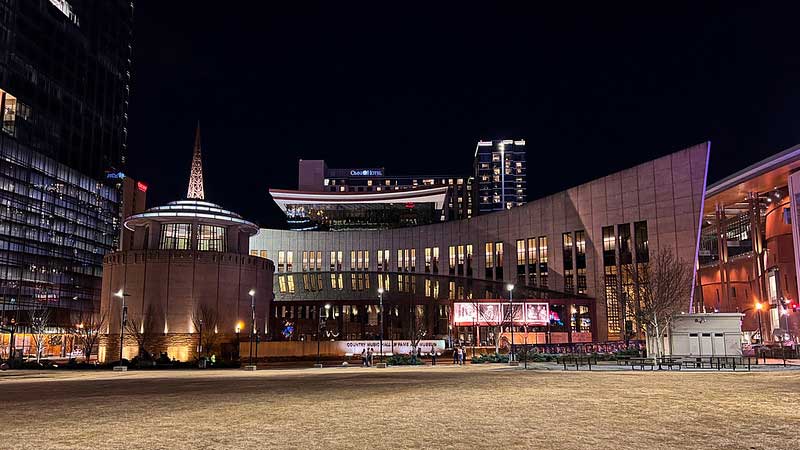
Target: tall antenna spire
x,y
196,177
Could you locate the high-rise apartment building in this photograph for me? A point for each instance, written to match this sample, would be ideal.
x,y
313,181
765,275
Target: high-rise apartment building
x,y
64,88
500,175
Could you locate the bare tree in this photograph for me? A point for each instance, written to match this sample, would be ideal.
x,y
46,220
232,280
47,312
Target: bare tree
x,y
142,328
206,320
494,320
417,328
661,289
86,330
39,320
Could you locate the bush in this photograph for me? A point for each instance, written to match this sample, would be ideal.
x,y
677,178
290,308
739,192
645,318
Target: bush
x,y
490,358
33,365
403,360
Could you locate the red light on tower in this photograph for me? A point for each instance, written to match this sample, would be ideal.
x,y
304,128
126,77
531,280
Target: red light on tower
x,y
410,205
141,186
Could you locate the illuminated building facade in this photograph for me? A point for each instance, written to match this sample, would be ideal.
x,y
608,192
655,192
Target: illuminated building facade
x,y
748,252
577,243
338,211
185,273
64,77
316,176
500,171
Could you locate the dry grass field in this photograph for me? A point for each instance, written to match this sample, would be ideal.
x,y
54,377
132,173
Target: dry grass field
x,y
441,407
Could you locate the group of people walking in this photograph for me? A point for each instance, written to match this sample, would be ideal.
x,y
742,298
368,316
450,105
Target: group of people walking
x,y
459,355
366,357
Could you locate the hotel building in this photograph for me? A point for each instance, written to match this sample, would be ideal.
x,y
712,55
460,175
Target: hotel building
x,y
316,176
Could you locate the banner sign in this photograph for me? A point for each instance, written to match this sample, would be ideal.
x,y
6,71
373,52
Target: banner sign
x,y
402,347
491,314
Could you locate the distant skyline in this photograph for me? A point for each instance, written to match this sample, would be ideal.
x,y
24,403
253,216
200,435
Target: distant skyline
x,y
412,89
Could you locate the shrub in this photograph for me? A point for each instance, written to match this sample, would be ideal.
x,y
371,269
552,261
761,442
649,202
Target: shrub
x,y
490,358
403,360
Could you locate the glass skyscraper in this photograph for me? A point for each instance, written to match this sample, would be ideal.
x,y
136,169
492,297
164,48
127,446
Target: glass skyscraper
x,y
64,89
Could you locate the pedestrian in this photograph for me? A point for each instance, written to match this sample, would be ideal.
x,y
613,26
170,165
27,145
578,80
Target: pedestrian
x,y
433,354
455,355
369,357
364,357
462,355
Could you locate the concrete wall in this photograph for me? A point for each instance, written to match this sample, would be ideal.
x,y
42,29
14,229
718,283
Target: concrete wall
x,y
666,192
176,282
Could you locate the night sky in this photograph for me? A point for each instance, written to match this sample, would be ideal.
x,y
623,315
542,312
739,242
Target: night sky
x,y
413,87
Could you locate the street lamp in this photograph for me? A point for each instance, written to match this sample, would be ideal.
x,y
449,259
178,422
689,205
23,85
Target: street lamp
x,y
122,319
380,300
239,325
510,289
319,331
252,295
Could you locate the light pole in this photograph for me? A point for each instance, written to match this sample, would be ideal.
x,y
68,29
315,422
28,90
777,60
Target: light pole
x,y
380,301
510,288
123,313
238,339
252,295
319,331
200,339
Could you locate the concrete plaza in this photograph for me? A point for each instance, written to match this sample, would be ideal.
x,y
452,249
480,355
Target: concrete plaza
x,y
405,407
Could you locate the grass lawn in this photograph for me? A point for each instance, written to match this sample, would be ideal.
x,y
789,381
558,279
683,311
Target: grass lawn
x,y
441,407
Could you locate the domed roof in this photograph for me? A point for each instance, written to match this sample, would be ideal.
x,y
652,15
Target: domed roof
x,y
195,208
199,210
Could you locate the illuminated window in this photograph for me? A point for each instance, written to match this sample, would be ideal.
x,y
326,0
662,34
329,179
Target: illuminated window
x,y
543,267
489,257
452,259
289,261
263,254
281,261
428,262
210,238
521,260
176,236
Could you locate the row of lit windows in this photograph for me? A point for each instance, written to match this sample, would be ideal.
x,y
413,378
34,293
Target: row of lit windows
x,y
414,182
178,236
618,258
532,261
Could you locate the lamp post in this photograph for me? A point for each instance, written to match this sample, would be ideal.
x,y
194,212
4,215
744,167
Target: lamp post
x,y
238,339
510,288
319,332
252,295
123,313
200,339
380,301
